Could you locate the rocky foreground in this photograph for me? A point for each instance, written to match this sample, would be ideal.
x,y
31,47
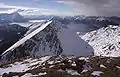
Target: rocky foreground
x,y
62,66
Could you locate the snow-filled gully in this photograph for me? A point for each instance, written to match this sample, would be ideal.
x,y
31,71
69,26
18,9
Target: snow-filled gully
x,y
24,39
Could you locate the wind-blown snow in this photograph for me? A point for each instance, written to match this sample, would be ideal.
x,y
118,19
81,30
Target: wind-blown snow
x,y
20,42
97,73
25,65
83,58
72,72
33,27
42,73
73,64
118,67
103,66
30,75
37,21
86,68
105,41
69,71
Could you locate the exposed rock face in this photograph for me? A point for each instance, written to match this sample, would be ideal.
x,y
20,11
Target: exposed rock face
x,y
45,42
105,41
9,34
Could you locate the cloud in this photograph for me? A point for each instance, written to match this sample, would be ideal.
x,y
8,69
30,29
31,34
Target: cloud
x,y
79,7
26,10
94,7
2,5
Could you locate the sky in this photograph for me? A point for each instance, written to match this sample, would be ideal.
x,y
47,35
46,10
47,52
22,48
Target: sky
x,y
62,7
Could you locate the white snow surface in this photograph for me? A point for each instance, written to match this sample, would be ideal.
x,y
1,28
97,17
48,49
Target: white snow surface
x,y
60,70
86,68
69,71
103,66
30,75
20,42
51,62
118,67
105,41
96,73
15,76
42,73
37,21
24,66
72,72
84,58
33,27
73,64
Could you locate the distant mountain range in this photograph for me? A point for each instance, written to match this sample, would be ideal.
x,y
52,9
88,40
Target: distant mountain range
x,y
59,38
50,41
97,21
13,17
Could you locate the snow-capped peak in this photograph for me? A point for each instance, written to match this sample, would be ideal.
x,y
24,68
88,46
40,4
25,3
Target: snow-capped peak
x,y
105,41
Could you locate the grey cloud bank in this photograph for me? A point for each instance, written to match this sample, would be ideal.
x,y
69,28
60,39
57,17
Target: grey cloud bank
x,y
94,7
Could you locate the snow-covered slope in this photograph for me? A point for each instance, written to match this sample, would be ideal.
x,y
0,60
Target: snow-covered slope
x,y
33,27
62,66
105,41
41,41
24,66
27,37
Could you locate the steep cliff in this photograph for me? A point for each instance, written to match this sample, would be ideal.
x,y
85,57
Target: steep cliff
x,y
38,43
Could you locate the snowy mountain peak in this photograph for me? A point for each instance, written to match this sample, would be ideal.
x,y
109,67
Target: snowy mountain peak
x,y
15,15
105,41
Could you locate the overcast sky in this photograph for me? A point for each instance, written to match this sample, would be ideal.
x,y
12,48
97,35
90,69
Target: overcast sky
x,y
62,7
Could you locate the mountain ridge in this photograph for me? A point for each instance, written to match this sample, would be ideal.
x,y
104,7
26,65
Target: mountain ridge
x,y
105,41
13,17
42,41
